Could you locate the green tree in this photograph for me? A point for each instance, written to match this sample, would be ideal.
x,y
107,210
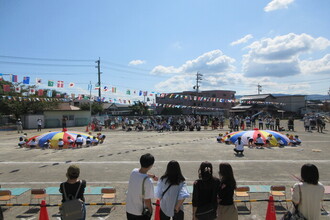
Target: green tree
x,y
96,107
140,108
20,103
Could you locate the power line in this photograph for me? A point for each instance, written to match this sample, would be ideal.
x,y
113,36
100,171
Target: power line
x,y
46,64
46,59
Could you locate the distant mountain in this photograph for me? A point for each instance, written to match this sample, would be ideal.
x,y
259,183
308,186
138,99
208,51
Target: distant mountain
x,y
308,97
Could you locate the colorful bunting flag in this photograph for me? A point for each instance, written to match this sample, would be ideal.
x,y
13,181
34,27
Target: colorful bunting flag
x,y
38,81
97,86
114,89
128,92
60,84
105,89
1,77
14,78
58,95
32,91
40,92
140,93
17,89
49,93
6,88
26,80
71,84
50,83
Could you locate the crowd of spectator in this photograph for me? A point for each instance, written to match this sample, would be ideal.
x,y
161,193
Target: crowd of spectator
x,y
212,196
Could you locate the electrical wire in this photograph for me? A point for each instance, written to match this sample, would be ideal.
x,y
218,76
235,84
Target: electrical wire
x,y
47,64
46,59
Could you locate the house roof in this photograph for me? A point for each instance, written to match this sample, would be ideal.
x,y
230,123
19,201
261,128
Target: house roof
x,y
241,107
65,106
257,97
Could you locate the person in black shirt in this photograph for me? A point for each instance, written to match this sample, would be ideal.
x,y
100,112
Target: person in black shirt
x,y
72,184
204,199
226,209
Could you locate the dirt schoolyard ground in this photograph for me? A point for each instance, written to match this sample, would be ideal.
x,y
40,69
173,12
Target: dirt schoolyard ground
x,y
110,164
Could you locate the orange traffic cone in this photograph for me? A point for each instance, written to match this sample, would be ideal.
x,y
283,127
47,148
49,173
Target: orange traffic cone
x,y
157,210
271,213
43,215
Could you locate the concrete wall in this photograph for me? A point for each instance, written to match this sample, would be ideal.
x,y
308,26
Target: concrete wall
x,y
292,103
53,119
30,121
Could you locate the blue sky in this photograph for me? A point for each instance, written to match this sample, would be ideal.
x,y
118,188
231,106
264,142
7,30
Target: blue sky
x,y
160,45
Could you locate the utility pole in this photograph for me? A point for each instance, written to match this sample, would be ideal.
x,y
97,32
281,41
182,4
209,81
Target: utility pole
x,y
99,74
259,89
90,101
198,79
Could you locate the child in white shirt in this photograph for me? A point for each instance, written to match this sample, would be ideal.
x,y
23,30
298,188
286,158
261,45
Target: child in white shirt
x,y
239,147
21,142
33,143
219,138
60,144
259,142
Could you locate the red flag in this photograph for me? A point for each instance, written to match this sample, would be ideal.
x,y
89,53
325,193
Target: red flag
x,y
60,84
40,92
6,88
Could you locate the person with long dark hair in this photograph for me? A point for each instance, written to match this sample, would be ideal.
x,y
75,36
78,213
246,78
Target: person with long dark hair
x,y
239,146
226,209
309,193
172,191
205,190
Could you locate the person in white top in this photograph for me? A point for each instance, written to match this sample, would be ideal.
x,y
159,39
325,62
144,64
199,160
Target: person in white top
x,y
308,194
135,201
259,142
239,147
172,191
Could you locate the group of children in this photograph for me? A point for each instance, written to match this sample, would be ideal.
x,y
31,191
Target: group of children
x,y
69,143
258,143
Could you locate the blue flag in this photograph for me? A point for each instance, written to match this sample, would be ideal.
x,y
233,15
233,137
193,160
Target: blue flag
x,y
50,93
26,80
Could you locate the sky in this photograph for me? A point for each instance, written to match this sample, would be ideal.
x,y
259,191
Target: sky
x,y
159,46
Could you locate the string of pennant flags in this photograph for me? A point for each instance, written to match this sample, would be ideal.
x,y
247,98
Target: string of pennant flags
x,y
61,84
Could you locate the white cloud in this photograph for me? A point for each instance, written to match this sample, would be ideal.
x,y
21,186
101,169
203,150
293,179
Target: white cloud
x,y
277,4
136,62
177,45
211,62
279,56
320,66
242,40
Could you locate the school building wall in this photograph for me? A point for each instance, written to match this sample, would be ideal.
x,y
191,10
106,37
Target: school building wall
x,y
53,119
